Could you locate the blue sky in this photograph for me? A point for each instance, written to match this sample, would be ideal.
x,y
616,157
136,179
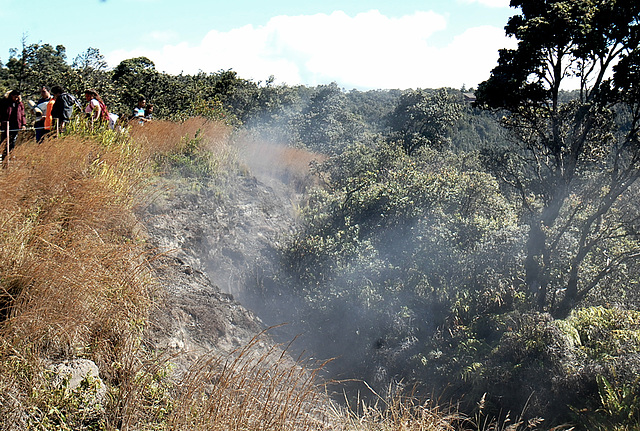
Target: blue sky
x,y
356,43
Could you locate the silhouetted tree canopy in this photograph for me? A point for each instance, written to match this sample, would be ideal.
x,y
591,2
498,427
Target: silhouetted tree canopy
x,y
571,161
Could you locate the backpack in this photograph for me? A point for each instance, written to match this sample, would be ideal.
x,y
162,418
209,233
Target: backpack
x,y
104,113
63,107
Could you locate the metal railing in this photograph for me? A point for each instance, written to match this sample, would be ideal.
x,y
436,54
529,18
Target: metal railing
x,y
6,132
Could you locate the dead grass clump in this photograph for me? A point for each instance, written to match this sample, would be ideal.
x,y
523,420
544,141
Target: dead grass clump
x,y
167,137
195,149
402,414
253,388
291,165
410,413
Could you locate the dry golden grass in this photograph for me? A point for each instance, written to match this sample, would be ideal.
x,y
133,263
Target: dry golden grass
x,y
403,414
289,164
73,275
252,388
163,136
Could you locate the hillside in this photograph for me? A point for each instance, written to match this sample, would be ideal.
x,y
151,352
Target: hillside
x,y
113,246
110,319
142,267
119,251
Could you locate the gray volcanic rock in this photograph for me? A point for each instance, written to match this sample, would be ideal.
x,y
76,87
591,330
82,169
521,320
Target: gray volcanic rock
x,y
208,243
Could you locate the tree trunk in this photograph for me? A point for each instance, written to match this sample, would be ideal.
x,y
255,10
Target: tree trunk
x,y
570,295
534,264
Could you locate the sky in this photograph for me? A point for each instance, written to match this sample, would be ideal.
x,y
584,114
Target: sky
x,y
358,44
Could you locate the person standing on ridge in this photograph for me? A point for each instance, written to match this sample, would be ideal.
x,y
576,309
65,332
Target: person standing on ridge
x,y
62,108
96,110
148,112
44,106
12,119
139,110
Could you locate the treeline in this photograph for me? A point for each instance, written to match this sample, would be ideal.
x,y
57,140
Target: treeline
x,y
324,118
35,65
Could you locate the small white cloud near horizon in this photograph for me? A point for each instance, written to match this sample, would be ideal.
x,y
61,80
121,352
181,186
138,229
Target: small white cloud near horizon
x,y
163,36
489,3
368,51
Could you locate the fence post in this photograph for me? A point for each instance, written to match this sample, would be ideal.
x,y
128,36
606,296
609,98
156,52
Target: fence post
x,y
6,162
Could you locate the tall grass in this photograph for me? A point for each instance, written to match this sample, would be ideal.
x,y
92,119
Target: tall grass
x,y
252,388
163,137
72,279
291,165
73,275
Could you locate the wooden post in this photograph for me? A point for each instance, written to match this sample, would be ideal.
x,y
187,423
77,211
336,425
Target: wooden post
x,y
6,162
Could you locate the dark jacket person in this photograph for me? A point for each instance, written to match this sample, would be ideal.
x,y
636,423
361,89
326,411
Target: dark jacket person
x,y
62,107
11,116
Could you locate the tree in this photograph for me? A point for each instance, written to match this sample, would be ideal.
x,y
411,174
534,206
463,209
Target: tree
x,y
35,65
374,107
326,125
135,77
91,69
272,111
390,250
424,118
573,161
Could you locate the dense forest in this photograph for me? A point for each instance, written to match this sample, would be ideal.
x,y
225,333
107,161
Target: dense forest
x,y
324,118
481,248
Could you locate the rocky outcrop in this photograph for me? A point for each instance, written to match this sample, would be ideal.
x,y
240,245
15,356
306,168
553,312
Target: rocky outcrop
x,y
208,242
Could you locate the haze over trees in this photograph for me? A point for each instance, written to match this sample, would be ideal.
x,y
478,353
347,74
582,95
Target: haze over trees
x,y
486,251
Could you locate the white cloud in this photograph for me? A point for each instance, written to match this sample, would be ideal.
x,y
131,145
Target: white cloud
x,y
369,50
489,3
163,36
